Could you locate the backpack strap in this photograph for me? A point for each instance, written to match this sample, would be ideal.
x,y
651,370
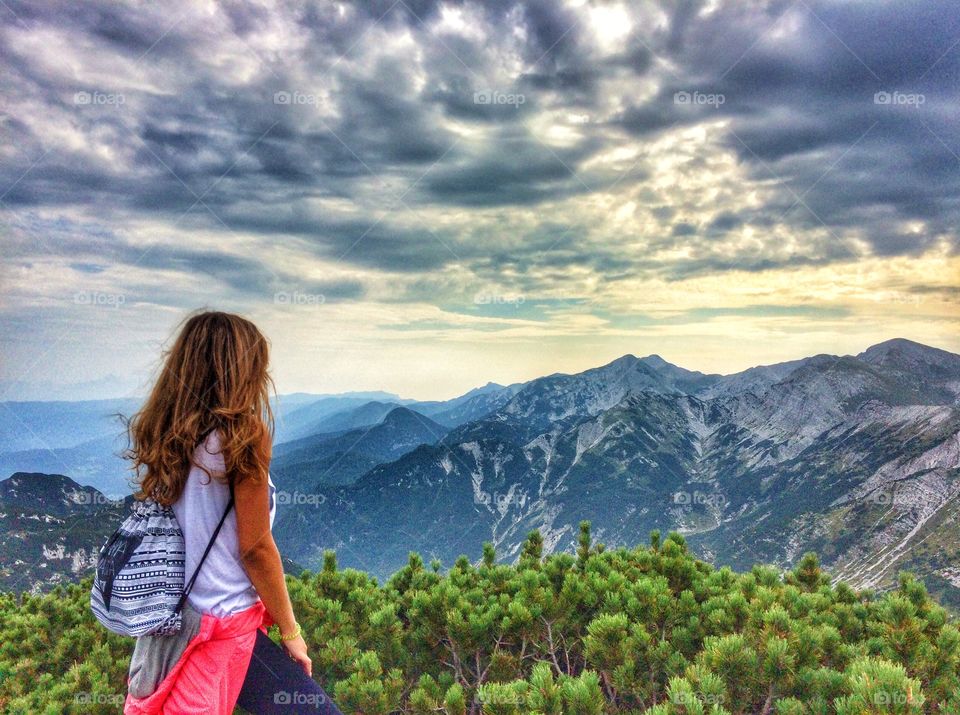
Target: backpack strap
x,y
189,586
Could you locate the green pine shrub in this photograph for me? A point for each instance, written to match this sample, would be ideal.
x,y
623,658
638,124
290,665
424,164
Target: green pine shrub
x,y
644,630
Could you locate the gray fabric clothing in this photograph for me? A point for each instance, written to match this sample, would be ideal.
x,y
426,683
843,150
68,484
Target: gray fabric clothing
x,y
155,656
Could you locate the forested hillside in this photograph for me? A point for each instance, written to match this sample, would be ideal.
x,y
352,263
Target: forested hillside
x,y
644,630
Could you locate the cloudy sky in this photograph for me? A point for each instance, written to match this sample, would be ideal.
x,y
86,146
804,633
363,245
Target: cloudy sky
x,y
422,197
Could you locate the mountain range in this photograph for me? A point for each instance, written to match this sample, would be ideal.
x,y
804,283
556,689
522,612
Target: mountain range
x,y
85,439
856,457
51,529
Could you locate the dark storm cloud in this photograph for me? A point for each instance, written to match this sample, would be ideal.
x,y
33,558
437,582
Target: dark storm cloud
x,y
372,243
388,126
725,222
514,170
201,140
805,110
94,248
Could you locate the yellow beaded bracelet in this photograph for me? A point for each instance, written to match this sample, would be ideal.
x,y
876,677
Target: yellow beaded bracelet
x,y
293,636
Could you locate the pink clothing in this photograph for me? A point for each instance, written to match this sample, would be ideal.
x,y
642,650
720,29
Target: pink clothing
x,y
210,673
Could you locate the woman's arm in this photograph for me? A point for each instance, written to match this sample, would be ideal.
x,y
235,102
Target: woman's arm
x,y
261,558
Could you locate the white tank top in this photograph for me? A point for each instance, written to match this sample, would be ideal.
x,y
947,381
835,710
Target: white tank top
x,y
222,588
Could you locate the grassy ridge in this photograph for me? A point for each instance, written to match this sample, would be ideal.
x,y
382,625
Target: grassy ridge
x,y
645,630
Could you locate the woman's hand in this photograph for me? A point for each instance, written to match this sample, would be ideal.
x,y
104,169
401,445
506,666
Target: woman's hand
x,y
297,649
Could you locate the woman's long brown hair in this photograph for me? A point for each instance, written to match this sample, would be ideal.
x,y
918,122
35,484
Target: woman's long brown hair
x,y
215,377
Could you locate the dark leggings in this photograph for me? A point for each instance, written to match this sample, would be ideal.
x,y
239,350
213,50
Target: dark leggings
x,y
276,684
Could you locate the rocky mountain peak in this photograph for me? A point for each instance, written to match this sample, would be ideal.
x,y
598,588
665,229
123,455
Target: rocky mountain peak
x,y
907,355
53,494
402,416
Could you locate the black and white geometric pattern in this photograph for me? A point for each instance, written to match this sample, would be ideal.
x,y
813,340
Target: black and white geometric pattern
x,y
140,574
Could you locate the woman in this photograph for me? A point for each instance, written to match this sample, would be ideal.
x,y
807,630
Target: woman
x,y
204,434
